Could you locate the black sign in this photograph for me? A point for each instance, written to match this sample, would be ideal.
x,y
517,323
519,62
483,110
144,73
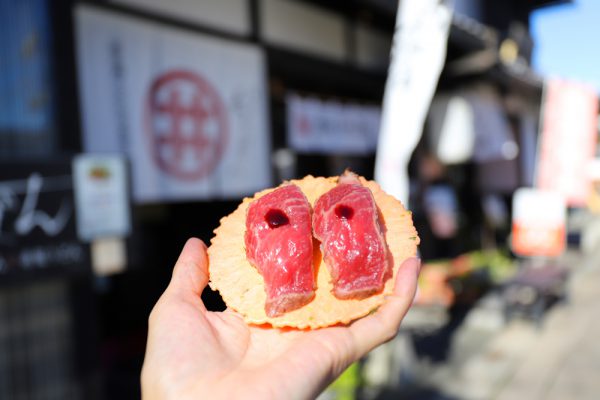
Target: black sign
x,y
37,219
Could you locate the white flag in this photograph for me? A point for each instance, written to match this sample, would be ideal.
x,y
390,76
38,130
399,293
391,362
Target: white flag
x,y
418,55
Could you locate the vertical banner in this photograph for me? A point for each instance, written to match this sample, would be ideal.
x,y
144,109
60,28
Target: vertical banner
x,y
189,110
418,55
567,140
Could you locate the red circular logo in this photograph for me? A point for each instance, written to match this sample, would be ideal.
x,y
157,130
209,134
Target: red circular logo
x,y
187,125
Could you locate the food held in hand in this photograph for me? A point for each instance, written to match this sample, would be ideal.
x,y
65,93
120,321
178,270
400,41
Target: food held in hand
x,y
346,222
239,275
279,244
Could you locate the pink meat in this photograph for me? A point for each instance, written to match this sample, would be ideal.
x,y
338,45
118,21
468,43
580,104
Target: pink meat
x,y
279,244
346,221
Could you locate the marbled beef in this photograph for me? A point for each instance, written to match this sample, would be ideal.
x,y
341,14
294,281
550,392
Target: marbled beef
x,y
279,244
346,222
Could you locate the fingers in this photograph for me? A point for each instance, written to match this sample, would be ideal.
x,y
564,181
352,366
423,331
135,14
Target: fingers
x,y
190,274
383,325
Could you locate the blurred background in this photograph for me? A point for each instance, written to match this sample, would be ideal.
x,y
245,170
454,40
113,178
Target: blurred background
x,y
127,126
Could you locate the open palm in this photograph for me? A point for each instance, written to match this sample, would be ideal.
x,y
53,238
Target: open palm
x,y
192,352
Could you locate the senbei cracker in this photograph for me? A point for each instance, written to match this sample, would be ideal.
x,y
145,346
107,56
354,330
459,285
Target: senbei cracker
x,y
241,285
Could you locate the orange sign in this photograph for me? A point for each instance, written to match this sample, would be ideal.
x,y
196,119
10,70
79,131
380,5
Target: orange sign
x,y
567,140
538,227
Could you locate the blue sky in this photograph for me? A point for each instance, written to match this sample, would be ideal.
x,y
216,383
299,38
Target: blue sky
x,y
567,41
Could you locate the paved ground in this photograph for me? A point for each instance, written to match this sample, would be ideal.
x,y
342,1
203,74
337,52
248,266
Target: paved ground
x,y
558,360
476,355
563,360
490,359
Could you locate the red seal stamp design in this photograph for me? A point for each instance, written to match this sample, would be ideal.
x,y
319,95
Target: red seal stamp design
x,y
187,124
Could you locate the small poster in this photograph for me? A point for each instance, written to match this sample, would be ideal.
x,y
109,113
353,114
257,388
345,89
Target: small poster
x,y
101,196
539,223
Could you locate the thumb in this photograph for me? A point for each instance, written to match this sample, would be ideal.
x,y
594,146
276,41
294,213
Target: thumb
x,y
189,278
190,274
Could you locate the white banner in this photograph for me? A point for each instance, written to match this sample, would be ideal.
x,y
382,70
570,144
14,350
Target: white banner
x,y
418,54
330,127
188,109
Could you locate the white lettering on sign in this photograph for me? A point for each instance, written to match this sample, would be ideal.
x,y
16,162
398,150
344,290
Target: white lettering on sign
x,y
28,214
39,257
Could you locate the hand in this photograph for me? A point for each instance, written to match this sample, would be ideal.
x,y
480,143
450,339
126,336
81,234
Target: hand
x,y
193,353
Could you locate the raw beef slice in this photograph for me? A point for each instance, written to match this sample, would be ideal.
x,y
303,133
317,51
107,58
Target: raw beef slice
x,y
279,245
346,222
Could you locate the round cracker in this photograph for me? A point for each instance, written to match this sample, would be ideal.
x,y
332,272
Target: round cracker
x,y
241,285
